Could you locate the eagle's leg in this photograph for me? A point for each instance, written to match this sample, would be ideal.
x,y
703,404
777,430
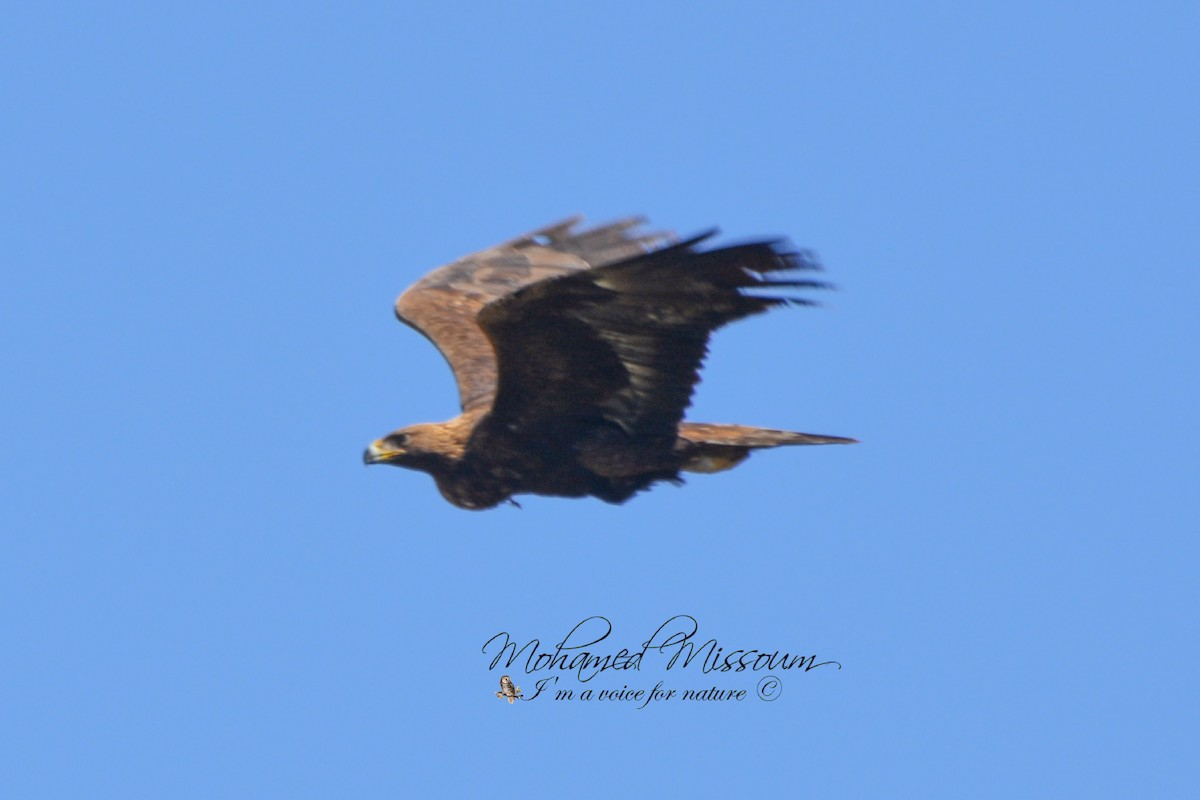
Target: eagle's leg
x,y
709,458
610,453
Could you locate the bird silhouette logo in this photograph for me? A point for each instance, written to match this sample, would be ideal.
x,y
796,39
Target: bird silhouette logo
x,y
508,689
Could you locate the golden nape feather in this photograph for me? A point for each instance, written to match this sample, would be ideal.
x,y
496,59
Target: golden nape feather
x,y
576,352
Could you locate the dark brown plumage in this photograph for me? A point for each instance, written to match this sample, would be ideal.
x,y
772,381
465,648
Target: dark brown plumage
x,y
576,354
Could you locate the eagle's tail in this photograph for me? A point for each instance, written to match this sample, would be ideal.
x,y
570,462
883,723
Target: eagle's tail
x,y
714,448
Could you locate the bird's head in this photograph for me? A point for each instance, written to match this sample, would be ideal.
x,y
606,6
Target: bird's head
x,y
416,447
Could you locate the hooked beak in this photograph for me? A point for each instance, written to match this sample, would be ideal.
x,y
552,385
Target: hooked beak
x,y
378,453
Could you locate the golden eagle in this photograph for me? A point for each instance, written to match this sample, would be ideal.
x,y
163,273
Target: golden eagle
x,y
576,353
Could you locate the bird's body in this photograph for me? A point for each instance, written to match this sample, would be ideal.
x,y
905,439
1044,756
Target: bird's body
x,y
508,690
576,355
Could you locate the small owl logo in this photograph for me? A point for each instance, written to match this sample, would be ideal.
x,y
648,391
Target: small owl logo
x,y
507,689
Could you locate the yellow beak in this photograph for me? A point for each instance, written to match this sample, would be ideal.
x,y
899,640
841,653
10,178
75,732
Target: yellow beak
x,y
378,452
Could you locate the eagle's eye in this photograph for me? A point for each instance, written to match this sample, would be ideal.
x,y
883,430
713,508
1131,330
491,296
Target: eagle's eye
x,y
398,440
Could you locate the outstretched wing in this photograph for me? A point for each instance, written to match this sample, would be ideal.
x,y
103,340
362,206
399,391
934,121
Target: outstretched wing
x,y
444,304
624,342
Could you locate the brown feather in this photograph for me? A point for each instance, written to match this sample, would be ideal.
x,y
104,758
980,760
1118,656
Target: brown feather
x,y
747,436
624,342
444,304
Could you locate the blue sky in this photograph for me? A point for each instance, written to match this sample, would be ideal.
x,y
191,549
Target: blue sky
x,y
207,214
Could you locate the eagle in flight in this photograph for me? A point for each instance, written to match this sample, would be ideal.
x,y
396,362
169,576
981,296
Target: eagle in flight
x,y
576,353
